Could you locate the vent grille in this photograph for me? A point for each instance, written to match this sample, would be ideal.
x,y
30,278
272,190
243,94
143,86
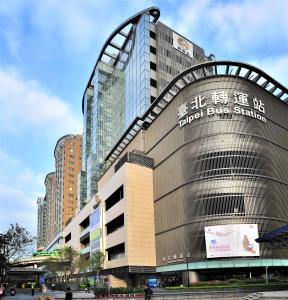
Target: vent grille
x,y
135,158
138,269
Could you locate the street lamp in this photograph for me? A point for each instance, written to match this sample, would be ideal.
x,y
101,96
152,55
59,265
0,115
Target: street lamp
x,y
187,266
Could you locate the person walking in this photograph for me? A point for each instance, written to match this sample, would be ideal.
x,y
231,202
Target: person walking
x,y
32,288
68,295
87,287
148,292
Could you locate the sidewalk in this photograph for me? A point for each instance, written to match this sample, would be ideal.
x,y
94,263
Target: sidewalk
x,y
55,295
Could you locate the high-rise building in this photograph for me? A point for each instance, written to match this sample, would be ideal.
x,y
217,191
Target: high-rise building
x,y
135,64
41,223
67,155
50,206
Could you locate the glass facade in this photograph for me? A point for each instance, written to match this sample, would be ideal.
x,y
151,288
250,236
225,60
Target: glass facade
x,y
121,92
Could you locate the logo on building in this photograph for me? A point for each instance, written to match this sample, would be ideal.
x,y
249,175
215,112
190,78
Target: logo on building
x,y
182,45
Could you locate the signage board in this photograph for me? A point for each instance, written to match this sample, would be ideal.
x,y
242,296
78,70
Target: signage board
x,y
182,45
95,231
231,240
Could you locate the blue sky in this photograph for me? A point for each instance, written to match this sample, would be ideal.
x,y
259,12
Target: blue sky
x,y
48,49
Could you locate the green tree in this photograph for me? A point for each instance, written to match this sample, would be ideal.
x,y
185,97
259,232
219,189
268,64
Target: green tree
x,y
83,263
19,243
64,264
97,263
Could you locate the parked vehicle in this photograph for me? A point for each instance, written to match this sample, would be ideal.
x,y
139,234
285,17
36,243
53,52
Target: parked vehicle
x,y
12,291
2,291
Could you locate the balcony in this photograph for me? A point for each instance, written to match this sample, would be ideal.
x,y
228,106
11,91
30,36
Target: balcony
x,y
85,250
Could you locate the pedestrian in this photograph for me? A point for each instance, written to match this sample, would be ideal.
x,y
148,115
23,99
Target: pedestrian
x,y
148,292
68,295
87,287
33,288
53,287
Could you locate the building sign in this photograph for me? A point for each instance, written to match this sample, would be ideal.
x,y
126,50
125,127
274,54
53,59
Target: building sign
x,y
217,104
231,240
95,231
182,45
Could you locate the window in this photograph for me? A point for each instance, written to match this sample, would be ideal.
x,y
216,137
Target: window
x,y
152,49
153,35
152,99
68,237
114,198
153,82
116,252
115,224
152,66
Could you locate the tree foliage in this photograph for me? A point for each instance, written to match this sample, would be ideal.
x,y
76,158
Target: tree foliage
x,y
97,261
64,264
19,243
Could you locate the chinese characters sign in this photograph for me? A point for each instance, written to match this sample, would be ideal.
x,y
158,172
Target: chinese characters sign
x,y
217,104
182,45
231,240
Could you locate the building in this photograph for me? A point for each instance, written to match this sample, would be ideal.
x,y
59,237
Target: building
x,y
42,223
50,206
68,160
59,206
188,180
219,147
135,64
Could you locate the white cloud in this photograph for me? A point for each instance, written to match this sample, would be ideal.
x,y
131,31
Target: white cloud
x,y
236,26
27,107
19,189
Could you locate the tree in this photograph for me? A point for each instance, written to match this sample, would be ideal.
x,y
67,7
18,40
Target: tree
x,y
19,243
83,263
65,263
97,263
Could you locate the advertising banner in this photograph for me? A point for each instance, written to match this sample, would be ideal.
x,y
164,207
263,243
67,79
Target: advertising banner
x,y
182,45
95,231
231,240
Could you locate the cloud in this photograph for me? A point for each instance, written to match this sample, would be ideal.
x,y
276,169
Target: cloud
x,y
19,190
28,107
62,27
234,27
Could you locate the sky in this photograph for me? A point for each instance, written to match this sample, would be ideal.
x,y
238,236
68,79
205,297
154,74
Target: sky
x,y
48,49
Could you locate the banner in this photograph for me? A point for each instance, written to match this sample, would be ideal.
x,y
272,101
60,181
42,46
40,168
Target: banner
x,y
231,240
95,231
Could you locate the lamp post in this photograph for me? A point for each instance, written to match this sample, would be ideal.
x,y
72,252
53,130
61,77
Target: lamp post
x,y
187,266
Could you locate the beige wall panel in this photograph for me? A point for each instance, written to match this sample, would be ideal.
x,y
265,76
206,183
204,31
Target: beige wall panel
x,y
139,215
116,238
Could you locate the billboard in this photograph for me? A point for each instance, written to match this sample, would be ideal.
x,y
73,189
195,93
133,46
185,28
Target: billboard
x,y
182,45
231,240
95,231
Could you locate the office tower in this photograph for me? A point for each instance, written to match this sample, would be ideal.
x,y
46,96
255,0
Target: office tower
x,y
135,64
